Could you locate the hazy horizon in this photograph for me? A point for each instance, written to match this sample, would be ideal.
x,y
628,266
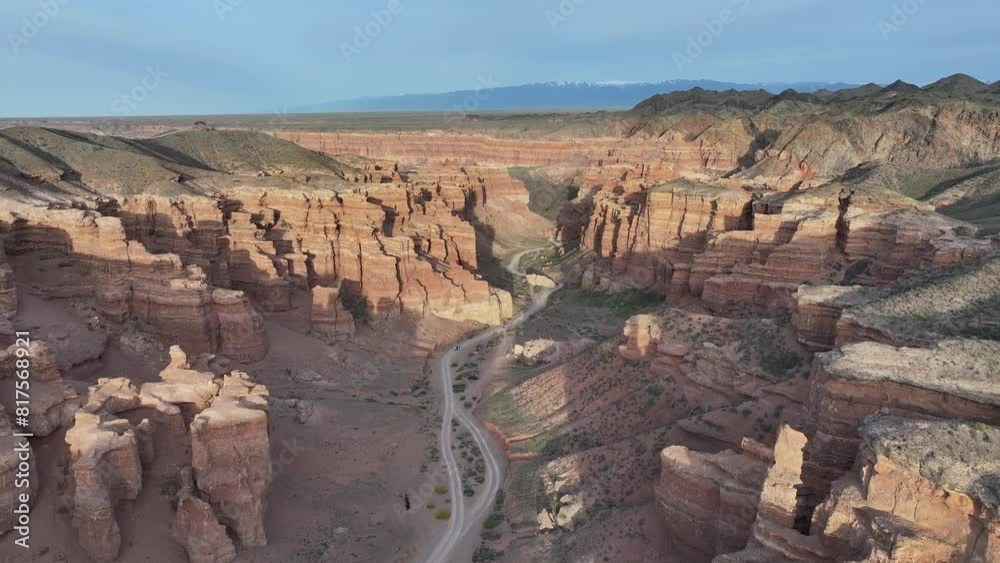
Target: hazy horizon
x,y
205,57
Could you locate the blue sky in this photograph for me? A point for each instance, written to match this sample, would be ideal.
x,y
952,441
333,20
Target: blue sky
x,y
232,56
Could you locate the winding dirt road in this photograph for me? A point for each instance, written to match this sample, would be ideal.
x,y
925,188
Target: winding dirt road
x,y
463,527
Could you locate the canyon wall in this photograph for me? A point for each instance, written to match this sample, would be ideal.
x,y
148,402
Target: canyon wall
x,y
642,156
740,252
166,297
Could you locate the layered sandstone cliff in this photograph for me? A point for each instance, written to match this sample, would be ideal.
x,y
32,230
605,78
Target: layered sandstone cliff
x,y
14,448
709,501
231,456
330,318
919,491
926,306
740,252
612,156
164,296
53,402
954,379
106,469
397,250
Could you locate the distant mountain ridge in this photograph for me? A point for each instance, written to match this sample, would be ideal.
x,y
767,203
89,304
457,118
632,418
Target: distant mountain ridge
x,y
551,95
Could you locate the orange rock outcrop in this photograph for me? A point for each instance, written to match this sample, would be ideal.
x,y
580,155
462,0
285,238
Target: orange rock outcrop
x,y
197,528
710,500
164,296
740,253
231,456
106,469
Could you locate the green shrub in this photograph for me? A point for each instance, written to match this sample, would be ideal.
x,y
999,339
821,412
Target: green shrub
x,y
494,520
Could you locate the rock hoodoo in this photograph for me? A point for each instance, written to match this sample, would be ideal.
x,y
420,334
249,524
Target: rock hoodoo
x,y
231,456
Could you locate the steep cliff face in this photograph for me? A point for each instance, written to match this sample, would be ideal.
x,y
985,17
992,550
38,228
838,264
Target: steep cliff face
x,y
53,401
106,469
197,528
164,296
919,491
9,461
192,228
709,501
329,318
951,380
740,252
397,249
231,456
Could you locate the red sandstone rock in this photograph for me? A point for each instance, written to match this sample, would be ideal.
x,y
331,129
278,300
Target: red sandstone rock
x,y
231,457
9,468
53,402
708,502
388,245
165,297
330,318
951,380
241,328
197,529
920,491
708,240
106,469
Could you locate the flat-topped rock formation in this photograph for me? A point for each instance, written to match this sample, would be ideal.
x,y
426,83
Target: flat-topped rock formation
x,y
230,461
924,307
740,253
231,456
709,501
954,379
106,469
923,490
